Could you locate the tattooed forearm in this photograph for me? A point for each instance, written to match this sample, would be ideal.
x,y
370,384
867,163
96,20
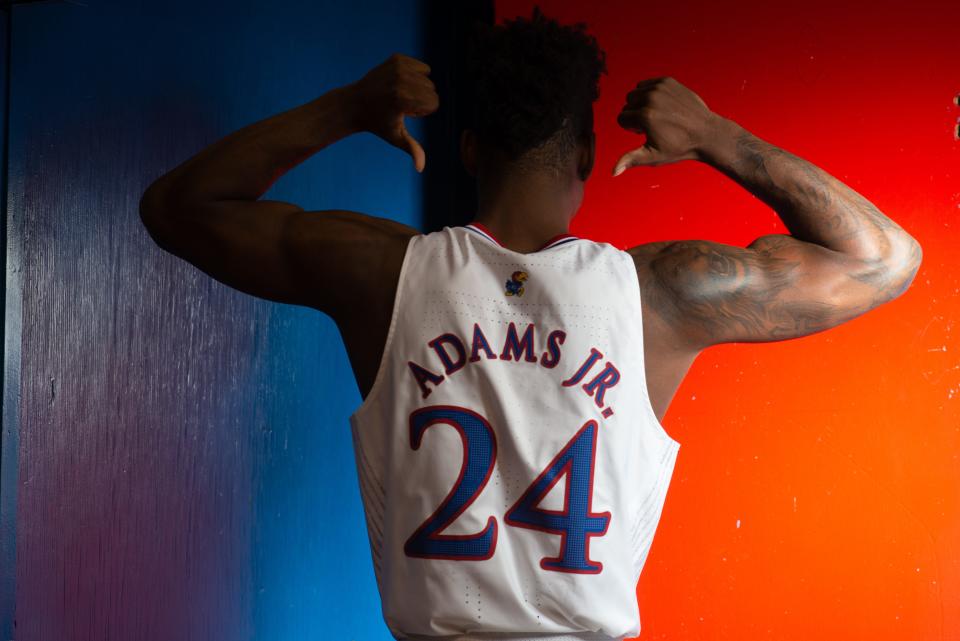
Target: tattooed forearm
x,y
814,206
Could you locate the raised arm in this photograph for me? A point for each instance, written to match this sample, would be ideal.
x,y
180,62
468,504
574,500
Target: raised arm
x,y
842,258
207,210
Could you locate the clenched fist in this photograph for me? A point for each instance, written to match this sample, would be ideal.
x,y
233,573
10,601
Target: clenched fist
x,y
396,88
675,120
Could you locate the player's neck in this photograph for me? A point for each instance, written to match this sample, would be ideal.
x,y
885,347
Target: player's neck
x,y
524,219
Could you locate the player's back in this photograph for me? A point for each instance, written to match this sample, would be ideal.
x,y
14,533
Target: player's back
x,y
512,469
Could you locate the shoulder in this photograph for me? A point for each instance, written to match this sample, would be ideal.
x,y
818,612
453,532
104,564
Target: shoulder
x,y
351,260
662,314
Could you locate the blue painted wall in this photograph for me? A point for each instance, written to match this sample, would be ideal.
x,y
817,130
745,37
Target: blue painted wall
x,y
185,467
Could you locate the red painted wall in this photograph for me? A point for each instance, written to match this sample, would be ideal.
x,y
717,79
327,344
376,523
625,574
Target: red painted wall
x,y
817,492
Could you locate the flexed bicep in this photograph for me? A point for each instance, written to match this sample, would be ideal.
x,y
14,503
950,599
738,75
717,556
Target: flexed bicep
x,y
774,289
330,260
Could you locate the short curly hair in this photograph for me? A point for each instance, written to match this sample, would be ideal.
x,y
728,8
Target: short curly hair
x,y
532,84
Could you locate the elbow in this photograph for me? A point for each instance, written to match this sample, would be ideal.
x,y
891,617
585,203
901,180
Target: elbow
x,y
909,259
918,256
155,215
902,255
904,267
151,203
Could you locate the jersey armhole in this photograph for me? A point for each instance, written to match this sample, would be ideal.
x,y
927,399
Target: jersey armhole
x,y
648,404
391,330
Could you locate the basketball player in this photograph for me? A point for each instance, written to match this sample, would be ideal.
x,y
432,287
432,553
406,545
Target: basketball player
x,y
510,449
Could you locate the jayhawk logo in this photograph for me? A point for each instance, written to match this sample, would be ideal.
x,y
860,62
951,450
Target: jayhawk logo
x,y
515,284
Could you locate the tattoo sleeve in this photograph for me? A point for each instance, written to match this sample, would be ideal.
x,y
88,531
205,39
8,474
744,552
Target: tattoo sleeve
x,y
814,206
842,258
777,289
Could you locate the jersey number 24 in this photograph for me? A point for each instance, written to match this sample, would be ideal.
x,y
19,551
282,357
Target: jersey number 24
x,y
575,523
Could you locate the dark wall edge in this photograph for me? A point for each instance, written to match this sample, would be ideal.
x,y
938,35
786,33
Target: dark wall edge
x,y
449,192
10,376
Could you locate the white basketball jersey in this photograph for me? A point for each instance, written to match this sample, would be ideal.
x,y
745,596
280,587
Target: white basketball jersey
x,y
512,469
